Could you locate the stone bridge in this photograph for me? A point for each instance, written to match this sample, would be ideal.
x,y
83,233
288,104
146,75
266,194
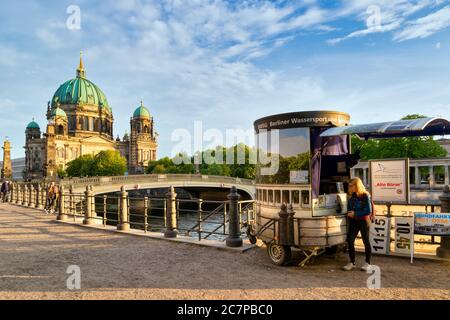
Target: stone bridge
x,y
103,185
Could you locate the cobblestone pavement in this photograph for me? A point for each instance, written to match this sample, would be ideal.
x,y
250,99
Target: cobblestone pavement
x,y
35,252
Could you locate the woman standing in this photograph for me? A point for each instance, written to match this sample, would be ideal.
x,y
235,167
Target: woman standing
x,y
359,214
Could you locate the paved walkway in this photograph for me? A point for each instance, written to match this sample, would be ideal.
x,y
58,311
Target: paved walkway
x,y
35,252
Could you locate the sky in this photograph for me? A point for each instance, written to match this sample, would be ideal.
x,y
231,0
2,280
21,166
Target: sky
x,y
226,63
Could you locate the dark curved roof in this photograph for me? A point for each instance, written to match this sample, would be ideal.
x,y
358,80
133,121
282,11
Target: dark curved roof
x,y
394,129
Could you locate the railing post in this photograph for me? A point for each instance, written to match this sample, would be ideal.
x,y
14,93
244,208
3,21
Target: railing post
x,y
234,238
443,251
283,225
93,212
32,202
87,208
62,202
24,194
124,223
145,213
200,219
105,201
290,224
171,214
13,191
38,197
71,202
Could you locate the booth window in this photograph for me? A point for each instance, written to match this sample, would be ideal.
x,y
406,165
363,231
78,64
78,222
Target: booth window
x,y
295,197
305,197
277,196
412,175
424,175
271,196
286,196
439,174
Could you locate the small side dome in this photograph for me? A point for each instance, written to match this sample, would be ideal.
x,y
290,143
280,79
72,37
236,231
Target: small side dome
x,y
58,112
33,125
141,112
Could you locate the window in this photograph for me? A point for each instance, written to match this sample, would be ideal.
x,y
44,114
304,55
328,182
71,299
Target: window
x,y
305,197
271,196
286,196
291,157
424,173
412,175
295,197
359,173
277,196
439,174
60,129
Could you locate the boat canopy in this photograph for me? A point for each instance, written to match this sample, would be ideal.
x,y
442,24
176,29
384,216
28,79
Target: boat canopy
x,y
394,129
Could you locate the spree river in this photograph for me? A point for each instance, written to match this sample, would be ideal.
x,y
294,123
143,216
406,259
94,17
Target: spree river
x,y
187,219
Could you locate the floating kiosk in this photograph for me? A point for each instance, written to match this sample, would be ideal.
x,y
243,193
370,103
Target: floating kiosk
x,y
303,170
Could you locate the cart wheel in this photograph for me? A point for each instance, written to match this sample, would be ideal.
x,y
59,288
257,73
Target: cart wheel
x,y
251,238
280,255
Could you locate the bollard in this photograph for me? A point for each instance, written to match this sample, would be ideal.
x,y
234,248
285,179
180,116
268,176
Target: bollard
x,y
290,224
171,214
124,222
17,193
32,202
24,194
283,226
38,197
87,207
443,251
61,204
234,237
71,203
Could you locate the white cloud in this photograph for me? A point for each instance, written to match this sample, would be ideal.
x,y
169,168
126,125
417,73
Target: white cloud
x,y
425,26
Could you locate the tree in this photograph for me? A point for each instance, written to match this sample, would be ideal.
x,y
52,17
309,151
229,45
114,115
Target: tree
x,y
109,163
81,166
105,163
411,147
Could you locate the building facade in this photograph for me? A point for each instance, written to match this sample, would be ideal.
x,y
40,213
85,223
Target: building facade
x,y
79,122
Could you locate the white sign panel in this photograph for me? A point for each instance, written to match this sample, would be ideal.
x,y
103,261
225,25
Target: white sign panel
x,y
389,180
378,236
436,224
404,235
299,176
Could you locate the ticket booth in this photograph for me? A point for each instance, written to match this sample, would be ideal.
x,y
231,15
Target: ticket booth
x,y
304,162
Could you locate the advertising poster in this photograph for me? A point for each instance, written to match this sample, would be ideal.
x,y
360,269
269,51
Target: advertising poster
x,y
433,224
389,180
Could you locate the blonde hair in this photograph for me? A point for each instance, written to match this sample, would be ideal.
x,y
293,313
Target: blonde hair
x,y
359,187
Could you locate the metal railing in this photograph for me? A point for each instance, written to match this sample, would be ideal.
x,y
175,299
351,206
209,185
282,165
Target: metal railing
x,y
196,218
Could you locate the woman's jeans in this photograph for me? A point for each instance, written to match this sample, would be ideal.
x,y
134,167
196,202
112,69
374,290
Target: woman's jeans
x,y
354,227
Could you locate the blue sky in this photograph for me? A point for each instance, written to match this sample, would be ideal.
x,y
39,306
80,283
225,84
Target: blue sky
x,y
227,63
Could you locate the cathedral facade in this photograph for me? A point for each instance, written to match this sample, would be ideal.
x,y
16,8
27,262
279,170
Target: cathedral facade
x,y
79,122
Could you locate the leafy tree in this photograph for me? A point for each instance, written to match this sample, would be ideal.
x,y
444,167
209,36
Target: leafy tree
x,y
105,163
109,163
411,147
81,166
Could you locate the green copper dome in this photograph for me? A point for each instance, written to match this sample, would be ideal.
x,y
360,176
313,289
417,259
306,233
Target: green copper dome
x,y
59,112
33,125
80,91
141,112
